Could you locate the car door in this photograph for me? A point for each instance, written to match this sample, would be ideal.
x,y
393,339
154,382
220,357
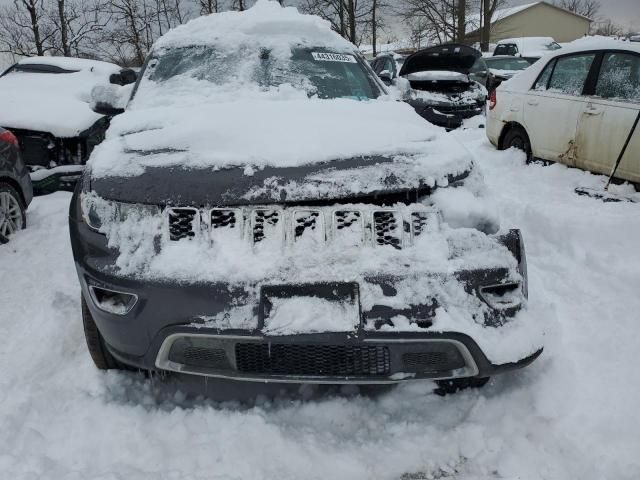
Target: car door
x,y
609,116
554,105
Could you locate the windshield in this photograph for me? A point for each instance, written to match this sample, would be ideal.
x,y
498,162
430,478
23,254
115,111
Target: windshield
x,y
553,46
319,73
507,63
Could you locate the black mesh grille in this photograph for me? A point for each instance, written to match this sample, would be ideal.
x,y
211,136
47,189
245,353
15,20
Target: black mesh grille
x,y
197,353
205,357
346,218
386,229
419,221
223,219
445,358
182,222
261,221
312,360
306,220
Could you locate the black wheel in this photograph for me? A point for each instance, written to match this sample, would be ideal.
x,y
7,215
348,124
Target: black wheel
x,y
12,212
516,137
95,343
447,387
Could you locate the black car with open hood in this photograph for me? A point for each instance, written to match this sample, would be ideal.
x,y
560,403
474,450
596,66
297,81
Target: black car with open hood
x,y
439,82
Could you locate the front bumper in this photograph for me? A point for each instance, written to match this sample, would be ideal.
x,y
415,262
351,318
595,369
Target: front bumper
x,y
166,330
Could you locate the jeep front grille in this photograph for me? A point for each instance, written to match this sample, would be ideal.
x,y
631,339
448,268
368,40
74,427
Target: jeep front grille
x,y
346,226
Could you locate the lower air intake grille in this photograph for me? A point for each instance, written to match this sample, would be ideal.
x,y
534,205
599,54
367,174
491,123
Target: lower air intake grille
x,y
312,360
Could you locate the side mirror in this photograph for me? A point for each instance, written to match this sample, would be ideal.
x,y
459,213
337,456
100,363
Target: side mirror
x,y
108,100
386,77
126,76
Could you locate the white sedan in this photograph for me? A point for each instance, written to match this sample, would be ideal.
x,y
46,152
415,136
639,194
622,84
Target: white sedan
x,y
577,106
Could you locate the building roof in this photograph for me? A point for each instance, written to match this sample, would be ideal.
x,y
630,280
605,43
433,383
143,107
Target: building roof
x,y
473,21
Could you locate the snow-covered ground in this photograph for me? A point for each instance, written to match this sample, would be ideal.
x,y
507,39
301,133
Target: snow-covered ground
x,y
573,414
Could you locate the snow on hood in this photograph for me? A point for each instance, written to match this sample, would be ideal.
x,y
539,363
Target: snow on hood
x,y
436,75
57,103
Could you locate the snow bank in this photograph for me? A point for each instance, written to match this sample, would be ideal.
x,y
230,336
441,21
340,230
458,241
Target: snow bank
x,y
571,414
57,103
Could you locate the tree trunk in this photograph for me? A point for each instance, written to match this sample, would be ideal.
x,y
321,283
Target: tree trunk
x,y
374,25
486,26
64,28
460,30
352,20
32,8
341,14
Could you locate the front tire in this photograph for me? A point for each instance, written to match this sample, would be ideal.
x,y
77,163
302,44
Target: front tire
x,y
13,215
101,357
516,137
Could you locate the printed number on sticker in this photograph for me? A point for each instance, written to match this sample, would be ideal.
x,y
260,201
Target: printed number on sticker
x,y
333,57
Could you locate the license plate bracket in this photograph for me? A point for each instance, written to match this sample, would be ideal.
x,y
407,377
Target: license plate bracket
x,y
338,299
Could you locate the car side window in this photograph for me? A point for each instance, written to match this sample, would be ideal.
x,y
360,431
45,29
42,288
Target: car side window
x,y
619,77
570,73
543,79
377,65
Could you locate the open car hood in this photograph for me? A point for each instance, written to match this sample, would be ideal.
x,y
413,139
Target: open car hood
x,y
453,57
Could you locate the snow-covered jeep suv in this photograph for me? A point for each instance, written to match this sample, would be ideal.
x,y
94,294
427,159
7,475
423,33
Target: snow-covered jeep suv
x,y
262,211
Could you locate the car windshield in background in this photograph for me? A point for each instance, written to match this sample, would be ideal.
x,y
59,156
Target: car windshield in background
x,y
552,46
507,63
319,73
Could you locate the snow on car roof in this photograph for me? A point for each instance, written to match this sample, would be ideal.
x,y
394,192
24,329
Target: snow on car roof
x,y
266,23
524,80
56,103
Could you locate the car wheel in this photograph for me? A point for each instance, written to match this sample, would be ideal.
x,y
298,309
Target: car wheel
x,y
448,387
12,212
95,343
516,137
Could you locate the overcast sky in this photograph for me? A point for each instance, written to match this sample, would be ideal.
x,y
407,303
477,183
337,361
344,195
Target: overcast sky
x,y
624,12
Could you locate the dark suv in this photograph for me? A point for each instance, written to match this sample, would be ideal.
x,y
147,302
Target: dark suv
x,y
253,216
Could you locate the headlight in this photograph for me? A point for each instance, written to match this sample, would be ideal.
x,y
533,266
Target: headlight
x,y
98,212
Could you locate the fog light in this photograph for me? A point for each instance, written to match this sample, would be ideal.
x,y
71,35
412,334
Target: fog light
x,y
111,301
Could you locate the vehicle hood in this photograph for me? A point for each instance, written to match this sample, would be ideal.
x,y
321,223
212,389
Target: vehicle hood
x,y
259,150
453,57
53,103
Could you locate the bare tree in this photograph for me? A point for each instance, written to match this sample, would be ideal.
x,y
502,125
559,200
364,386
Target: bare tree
x,y
488,10
586,8
608,28
24,28
208,6
347,17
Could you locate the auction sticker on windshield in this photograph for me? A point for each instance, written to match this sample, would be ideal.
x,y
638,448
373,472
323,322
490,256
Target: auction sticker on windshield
x,y
333,57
